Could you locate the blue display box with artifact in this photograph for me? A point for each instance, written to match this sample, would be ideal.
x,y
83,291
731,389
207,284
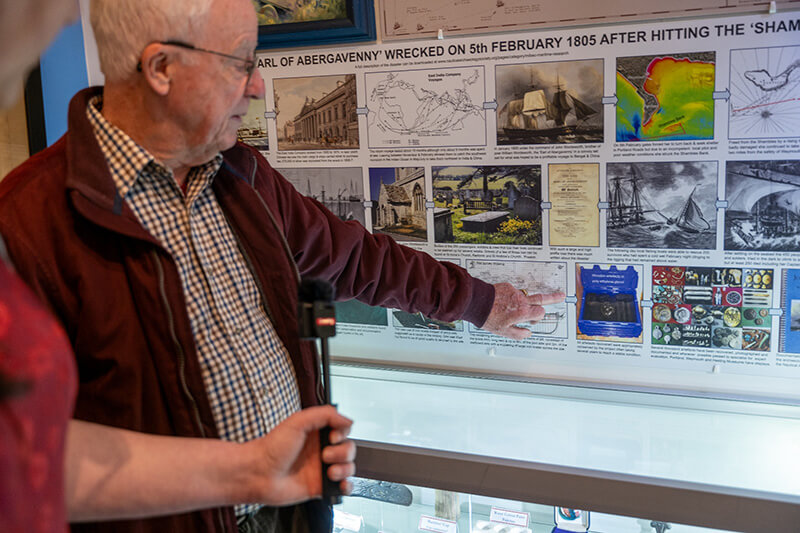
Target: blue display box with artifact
x,y
610,304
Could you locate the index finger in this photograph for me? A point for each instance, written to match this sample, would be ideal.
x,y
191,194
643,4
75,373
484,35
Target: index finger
x,y
547,298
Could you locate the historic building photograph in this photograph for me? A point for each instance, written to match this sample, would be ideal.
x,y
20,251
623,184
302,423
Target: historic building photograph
x,y
316,113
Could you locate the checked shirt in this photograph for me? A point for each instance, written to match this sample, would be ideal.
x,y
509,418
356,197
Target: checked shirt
x,y
246,370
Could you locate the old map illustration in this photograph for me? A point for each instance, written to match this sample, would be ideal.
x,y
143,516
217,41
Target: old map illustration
x,y
535,277
437,107
765,93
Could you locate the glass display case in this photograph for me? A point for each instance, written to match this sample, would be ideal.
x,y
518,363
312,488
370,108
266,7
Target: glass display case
x,y
382,507
709,462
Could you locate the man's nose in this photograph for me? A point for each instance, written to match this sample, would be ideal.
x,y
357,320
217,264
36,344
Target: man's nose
x,y
255,86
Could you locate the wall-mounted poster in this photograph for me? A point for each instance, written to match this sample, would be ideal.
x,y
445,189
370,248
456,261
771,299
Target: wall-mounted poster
x,y
763,205
662,205
528,156
574,193
316,113
556,102
665,97
488,204
765,93
398,203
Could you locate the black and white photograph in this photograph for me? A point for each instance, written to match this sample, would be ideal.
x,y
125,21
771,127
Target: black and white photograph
x,y
253,130
548,103
316,113
763,206
339,189
662,205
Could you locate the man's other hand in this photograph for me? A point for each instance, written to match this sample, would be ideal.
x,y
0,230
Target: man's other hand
x,y
288,457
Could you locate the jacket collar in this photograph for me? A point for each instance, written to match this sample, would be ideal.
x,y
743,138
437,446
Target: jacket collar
x,y
89,184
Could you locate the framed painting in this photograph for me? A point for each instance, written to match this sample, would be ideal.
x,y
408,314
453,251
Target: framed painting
x,y
290,23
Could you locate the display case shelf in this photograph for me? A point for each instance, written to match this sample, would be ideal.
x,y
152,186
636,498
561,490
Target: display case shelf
x,y
709,462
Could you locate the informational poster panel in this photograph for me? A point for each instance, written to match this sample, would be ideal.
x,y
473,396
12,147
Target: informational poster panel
x,y
651,171
403,19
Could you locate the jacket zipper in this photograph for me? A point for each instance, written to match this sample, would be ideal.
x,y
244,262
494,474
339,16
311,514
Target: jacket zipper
x,y
182,364
178,348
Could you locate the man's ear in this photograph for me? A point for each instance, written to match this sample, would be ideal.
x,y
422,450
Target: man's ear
x,y
157,67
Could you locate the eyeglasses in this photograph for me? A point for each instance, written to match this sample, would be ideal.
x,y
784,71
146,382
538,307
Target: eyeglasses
x,y
248,65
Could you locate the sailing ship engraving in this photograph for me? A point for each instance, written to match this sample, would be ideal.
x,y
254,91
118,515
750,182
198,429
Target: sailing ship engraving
x,y
763,205
531,113
677,220
552,103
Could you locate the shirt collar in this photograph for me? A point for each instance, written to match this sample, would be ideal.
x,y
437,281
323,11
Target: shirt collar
x,y
129,161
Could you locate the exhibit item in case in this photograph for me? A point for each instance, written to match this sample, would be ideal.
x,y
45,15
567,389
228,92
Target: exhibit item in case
x,y
568,519
485,526
609,304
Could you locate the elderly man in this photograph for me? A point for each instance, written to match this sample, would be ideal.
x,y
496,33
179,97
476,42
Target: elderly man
x,y
53,467
172,255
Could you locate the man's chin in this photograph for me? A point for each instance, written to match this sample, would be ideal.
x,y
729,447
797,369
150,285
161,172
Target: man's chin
x,y
227,143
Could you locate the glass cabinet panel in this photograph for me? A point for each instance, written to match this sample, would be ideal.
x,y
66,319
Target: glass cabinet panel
x,y
427,509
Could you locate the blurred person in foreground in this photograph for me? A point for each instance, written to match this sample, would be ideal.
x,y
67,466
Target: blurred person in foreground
x,y
113,473
172,254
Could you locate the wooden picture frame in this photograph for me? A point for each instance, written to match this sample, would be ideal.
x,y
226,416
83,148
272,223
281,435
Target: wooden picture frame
x,y
358,26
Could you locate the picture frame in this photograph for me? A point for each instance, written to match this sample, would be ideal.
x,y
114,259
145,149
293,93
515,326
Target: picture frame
x,y
358,26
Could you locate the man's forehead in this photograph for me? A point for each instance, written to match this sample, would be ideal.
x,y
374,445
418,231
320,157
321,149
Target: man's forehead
x,y
232,24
